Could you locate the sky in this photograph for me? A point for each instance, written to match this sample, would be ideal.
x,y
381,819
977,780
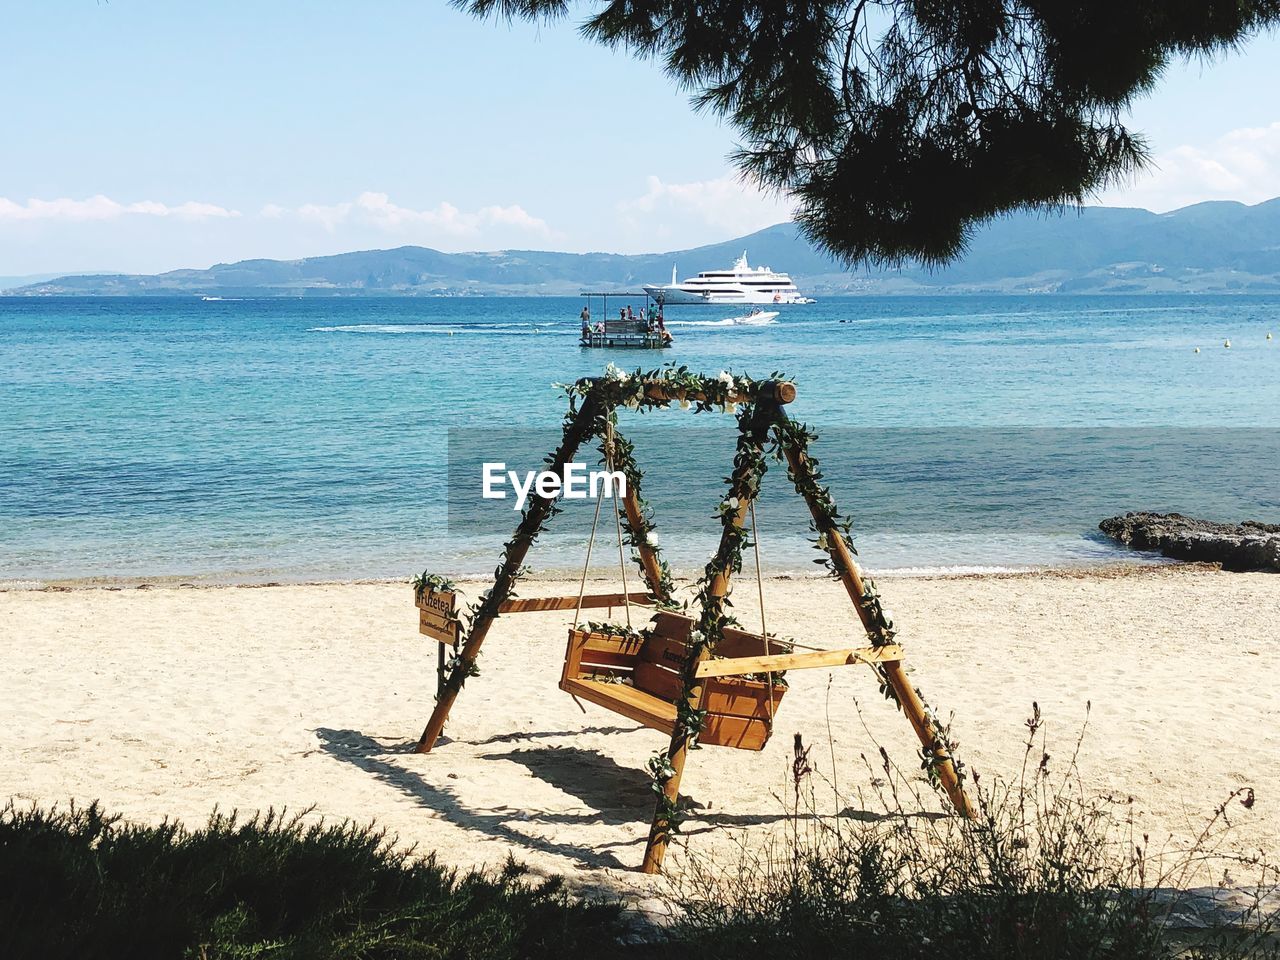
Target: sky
x,y
147,135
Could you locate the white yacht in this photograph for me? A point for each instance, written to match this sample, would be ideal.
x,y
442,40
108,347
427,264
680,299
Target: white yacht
x,y
739,284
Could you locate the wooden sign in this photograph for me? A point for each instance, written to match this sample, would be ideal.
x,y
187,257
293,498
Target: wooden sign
x,y
436,611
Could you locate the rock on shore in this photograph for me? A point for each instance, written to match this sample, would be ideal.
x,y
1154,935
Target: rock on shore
x,y
1250,545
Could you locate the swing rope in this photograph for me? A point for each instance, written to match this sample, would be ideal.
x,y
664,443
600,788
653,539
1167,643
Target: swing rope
x,y
764,630
591,540
617,519
582,587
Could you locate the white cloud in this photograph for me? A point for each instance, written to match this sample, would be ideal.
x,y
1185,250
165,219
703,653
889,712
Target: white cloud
x,y
104,208
1242,165
727,205
378,210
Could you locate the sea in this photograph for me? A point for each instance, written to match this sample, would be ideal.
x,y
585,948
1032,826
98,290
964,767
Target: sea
x,y
278,440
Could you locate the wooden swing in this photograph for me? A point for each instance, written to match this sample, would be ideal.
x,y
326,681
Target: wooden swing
x,y
642,674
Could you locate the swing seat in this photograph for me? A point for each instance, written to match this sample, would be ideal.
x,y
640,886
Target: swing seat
x,y
638,676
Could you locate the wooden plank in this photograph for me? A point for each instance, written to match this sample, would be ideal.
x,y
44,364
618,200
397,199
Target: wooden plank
x,y
670,624
740,698
670,653
659,681
589,602
606,642
739,643
607,658
798,661
743,733
440,602
437,619
740,733
432,626
588,651
628,701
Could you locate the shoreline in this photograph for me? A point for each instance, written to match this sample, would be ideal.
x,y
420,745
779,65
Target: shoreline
x,y
1117,568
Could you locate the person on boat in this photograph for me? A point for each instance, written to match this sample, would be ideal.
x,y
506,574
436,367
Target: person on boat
x,y
599,326
630,315
586,323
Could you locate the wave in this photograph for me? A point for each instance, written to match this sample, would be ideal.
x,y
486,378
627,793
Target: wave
x,y
730,322
383,328
503,329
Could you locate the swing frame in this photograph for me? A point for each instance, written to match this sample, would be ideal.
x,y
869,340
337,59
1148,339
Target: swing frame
x,y
765,417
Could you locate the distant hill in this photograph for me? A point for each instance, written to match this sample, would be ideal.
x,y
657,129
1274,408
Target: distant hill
x,y
1208,247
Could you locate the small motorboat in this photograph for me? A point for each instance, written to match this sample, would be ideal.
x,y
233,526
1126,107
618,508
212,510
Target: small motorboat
x,y
755,317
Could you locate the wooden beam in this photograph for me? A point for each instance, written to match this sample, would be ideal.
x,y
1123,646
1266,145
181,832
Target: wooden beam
x,y
648,558
847,569
535,515
778,391
737,666
712,605
589,601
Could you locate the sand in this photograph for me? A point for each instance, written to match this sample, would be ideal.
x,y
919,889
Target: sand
x,y
169,702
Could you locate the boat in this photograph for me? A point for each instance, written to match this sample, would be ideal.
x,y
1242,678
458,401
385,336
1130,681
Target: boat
x,y
755,318
741,283
643,331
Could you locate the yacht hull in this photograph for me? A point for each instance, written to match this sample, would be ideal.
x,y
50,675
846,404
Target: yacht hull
x,y
677,294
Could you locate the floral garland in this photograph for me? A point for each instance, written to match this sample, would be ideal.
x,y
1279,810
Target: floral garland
x,y
600,398
796,436
749,466
581,420
640,535
592,401
427,582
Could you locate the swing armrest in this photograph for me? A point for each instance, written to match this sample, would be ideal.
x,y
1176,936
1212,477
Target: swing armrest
x,y
736,666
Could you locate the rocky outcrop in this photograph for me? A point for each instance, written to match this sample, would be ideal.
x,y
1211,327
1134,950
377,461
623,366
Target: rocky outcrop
x,y
1250,545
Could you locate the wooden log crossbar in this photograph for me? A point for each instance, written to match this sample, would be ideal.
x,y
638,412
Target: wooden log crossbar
x,y
590,601
768,417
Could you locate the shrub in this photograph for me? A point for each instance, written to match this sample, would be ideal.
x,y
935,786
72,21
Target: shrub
x,y
1045,872
80,884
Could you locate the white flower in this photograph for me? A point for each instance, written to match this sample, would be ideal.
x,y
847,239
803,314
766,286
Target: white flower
x,y
822,542
684,404
653,537
612,372
725,377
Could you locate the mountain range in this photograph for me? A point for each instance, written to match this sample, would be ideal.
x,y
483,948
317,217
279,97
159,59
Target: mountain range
x,y
1218,246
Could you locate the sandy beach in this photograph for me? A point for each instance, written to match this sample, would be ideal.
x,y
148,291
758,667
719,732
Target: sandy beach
x,y
170,701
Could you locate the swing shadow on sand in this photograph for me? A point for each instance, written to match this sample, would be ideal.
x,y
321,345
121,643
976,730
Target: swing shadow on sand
x,y
614,795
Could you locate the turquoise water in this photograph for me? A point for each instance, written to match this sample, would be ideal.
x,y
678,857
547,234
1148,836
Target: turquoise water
x,y
298,439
